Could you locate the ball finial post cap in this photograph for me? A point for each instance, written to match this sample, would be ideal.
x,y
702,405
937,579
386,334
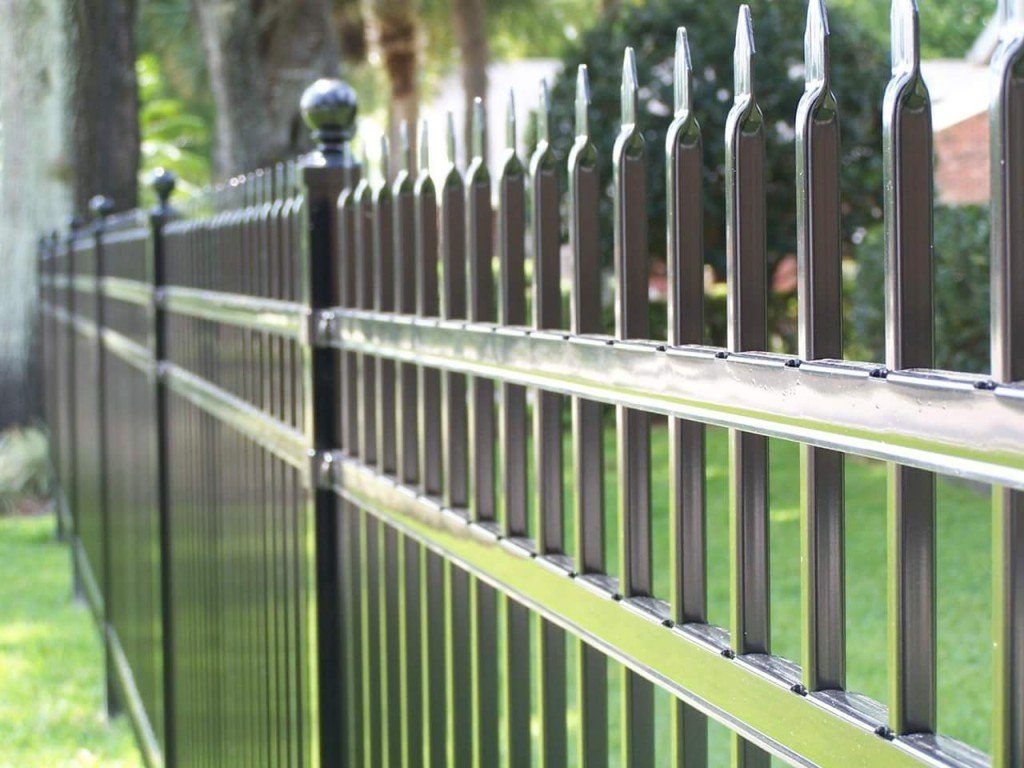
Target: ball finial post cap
x,y
163,182
101,206
329,110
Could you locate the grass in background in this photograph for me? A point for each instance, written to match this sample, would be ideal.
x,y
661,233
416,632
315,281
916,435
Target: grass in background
x,y
51,667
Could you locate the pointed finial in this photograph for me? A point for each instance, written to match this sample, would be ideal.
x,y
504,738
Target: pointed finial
x,y
423,145
743,55
629,87
582,101
405,147
101,206
450,137
816,43
544,113
1011,14
478,127
385,158
683,80
510,121
906,49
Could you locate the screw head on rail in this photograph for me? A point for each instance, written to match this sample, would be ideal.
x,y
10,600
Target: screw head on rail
x,y
101,206
162,181
329,109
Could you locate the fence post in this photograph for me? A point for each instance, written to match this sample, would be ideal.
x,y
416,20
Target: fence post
x,y
329,109
163,183
100,207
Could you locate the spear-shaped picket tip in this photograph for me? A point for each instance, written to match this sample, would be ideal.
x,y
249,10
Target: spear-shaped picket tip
x,y
1011,14
743,55
582,101
906,49
478,128
385,159
816,45
449,137
629,89
405,146
423,145
510,121
683,74
544,113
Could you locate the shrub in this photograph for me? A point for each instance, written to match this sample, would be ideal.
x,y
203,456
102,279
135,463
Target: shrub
x,y
24,470
961,307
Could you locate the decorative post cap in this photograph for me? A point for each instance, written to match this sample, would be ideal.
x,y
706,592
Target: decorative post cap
x,y
329,109
101,206
163,181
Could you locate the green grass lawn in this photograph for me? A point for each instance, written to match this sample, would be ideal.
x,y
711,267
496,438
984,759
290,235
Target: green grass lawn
x,y
51,667
963,566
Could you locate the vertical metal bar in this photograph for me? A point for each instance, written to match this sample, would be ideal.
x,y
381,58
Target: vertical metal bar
x,y
349,443
363,204
409,551
819,283
685,262
1007,211
484,618
512,442
632,426
384,301
587,429
458,685
745,261
547,426
431,566
453,307
907,158
384,297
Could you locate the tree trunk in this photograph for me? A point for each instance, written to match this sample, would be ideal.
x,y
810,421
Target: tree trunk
x,y
393,33
260,57
33,197
104,102
469,19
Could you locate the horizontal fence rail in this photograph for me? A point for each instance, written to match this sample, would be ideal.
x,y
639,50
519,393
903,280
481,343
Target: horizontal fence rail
x,y
333,466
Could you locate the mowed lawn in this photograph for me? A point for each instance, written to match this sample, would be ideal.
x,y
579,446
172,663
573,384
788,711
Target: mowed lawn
x,y
963,566
51,667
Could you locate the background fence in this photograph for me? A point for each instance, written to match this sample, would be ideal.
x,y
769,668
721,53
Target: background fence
x,y
312,437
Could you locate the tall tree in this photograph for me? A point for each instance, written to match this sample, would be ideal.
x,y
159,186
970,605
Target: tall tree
x,y
104,102
260,56
470,22
393,32
33,198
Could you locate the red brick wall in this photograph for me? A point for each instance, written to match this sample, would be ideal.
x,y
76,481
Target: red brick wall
x,y
961,162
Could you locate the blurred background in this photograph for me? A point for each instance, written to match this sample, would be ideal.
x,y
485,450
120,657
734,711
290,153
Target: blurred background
x,y
96,94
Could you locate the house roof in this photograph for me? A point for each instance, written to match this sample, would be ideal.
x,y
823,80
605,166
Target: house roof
x,y
959,90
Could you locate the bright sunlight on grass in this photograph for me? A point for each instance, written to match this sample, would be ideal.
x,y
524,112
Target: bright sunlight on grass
x,y
51,668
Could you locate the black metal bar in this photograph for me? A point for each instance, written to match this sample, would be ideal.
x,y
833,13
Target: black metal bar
x,y
329,108
1006,123
747,299
907,159
685,263
587,427
632,426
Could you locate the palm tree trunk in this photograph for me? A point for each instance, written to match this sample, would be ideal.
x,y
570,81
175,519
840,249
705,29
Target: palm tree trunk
x,y
471,33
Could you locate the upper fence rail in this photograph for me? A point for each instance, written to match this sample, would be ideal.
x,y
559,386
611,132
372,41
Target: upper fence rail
x,y
376,342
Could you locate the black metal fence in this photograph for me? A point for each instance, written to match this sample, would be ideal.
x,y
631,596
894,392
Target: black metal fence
x,y
325,507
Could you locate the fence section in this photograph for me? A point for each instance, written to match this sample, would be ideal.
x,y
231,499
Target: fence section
x,y
337,378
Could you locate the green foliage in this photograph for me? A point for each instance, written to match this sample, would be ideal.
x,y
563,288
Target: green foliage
x,y
961,277
173,135
24,470
948,27
860,72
